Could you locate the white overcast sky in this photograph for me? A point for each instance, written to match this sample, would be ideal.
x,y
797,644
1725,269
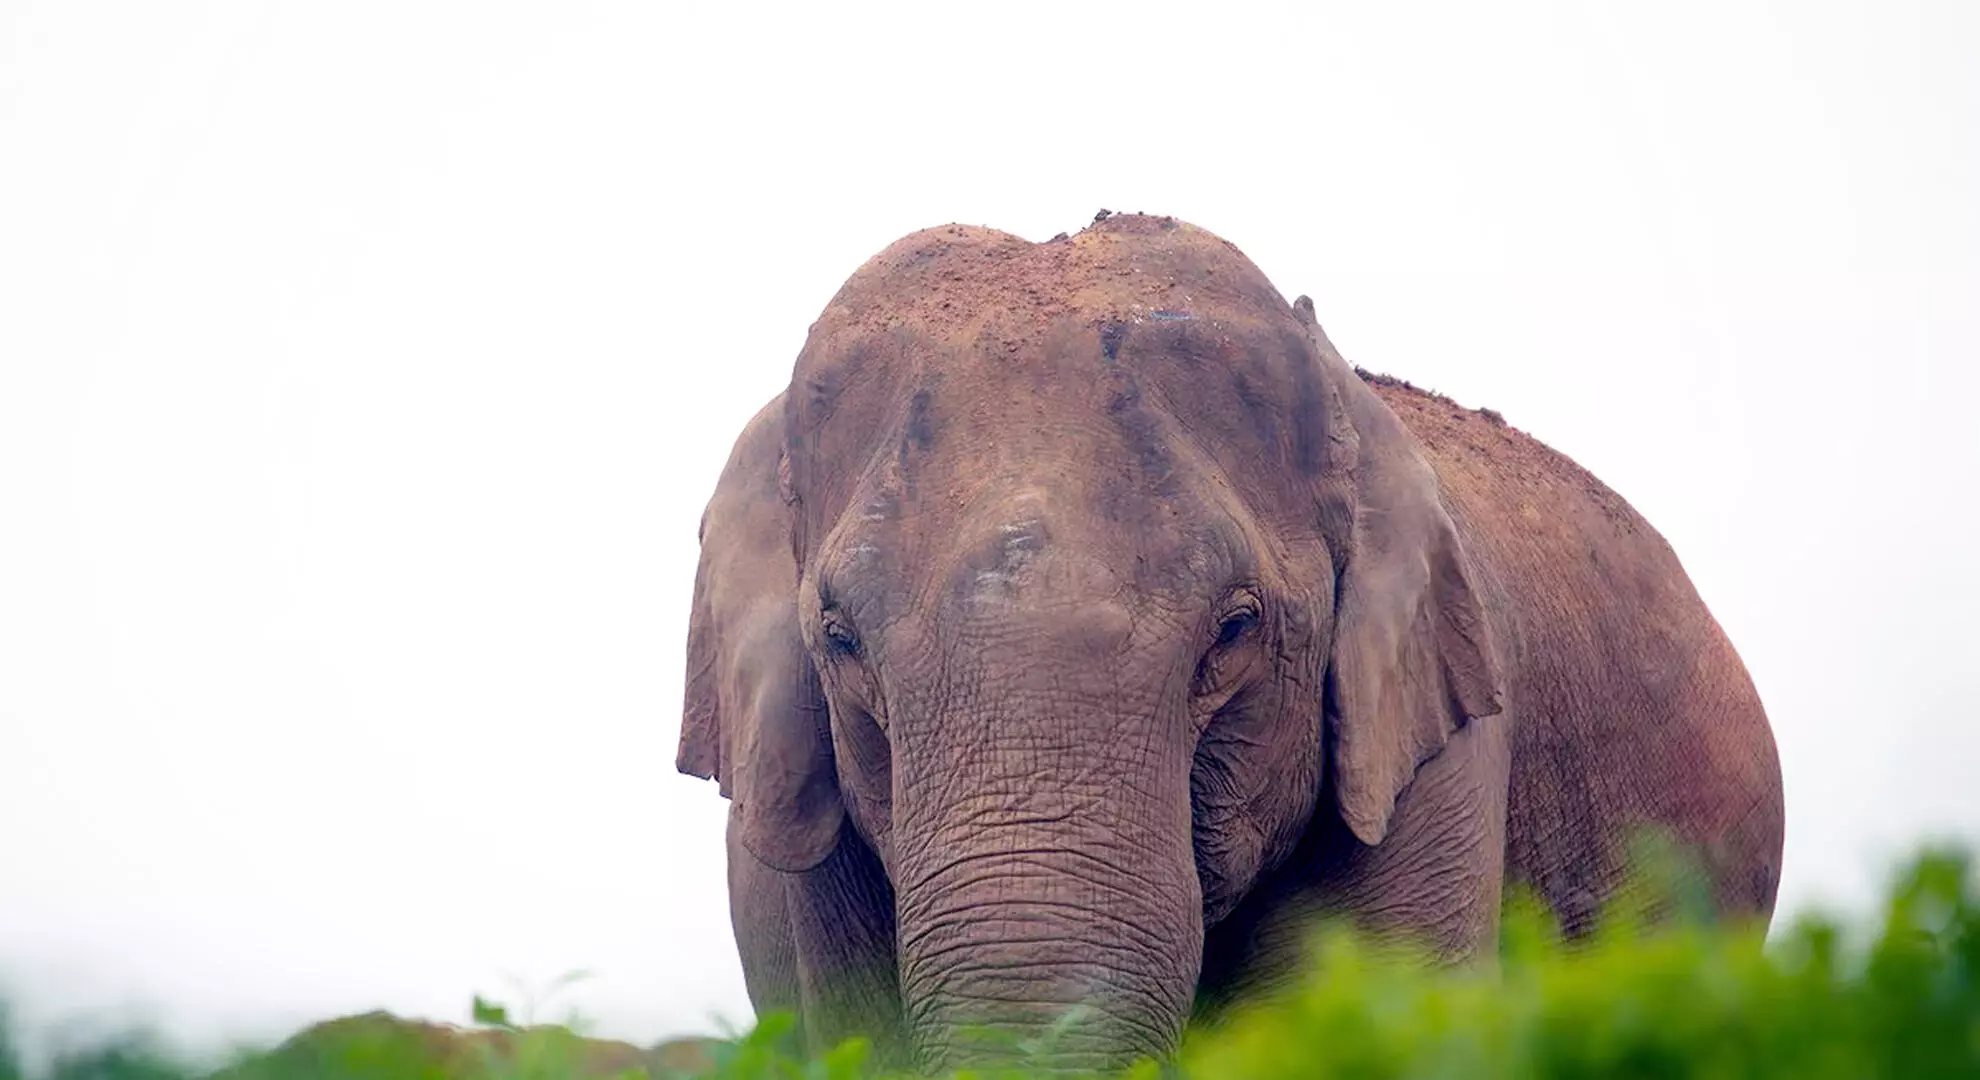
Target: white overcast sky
x,y
364,368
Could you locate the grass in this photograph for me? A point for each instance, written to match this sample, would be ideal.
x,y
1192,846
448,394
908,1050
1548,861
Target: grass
x,y
1642,998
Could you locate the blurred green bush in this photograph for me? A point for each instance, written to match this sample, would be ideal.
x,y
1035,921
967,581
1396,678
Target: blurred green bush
x,y
1652,994
1674,999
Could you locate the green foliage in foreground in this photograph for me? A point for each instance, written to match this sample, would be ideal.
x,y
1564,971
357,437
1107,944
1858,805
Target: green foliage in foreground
x,y
1685,1001
1681,1000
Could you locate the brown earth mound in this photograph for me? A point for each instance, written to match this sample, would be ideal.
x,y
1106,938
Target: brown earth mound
x,y
380,1044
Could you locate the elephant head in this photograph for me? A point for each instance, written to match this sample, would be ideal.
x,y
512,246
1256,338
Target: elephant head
x,y
1106,576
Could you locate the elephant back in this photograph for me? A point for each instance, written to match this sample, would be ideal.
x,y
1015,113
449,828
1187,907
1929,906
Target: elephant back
x,y
1629,705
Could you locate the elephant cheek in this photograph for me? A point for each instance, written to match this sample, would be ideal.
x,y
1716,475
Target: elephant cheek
x,y
865,764
1229,846
1228,858
1254,786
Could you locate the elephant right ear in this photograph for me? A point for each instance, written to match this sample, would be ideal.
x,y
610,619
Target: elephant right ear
x,y
754,717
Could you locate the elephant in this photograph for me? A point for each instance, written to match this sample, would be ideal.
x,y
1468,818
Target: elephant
x,y
1078,625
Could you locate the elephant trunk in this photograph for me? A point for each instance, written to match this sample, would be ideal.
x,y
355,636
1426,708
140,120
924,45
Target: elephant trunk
x,y
1050,914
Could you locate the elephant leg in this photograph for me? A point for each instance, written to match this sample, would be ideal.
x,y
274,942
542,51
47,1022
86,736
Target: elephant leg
x,y
1434,881
821,944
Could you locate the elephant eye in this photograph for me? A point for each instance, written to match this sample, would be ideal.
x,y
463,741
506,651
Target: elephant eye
x,y
1222,664
1242,616
1231,628
839,632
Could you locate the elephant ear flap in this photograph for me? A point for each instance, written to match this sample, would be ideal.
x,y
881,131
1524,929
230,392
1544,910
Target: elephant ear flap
x,y
703,749
1411,659
755,718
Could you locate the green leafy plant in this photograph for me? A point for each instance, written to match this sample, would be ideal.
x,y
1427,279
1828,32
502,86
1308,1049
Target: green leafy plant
x,y
1657,990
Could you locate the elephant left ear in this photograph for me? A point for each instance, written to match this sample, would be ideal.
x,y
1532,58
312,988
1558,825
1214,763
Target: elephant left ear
x,y
1412,659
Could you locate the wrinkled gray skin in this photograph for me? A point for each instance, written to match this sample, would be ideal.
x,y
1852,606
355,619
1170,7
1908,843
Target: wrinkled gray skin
x,y
1078,624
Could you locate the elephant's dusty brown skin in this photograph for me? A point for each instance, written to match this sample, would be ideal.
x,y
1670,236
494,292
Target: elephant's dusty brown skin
x,y
1077,622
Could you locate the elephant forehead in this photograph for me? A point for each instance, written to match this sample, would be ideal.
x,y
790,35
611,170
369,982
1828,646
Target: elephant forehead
x,y
1039,540
1108,401
1059,551
997,347
995,566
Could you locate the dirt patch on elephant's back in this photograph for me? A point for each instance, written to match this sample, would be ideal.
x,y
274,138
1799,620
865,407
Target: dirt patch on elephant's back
x,y
1478,449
